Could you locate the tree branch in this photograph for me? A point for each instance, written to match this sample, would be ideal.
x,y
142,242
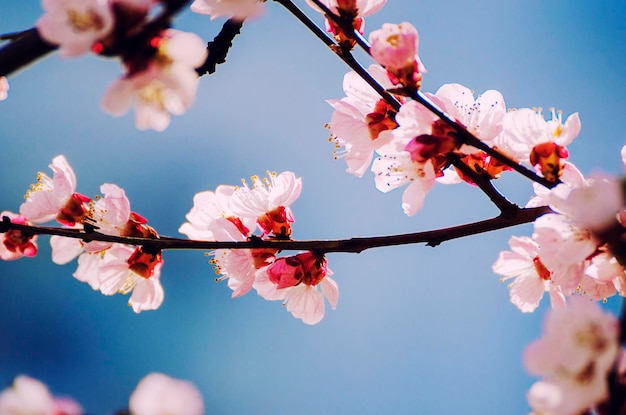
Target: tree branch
x,y
352,245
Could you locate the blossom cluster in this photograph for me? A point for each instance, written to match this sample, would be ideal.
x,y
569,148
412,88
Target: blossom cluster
x,y
107,267
568,252
156,394
574,356
414,147
159,71
232,213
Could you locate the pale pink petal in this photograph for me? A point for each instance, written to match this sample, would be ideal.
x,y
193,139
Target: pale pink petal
x,y
306,303
148,294
330,290
526,292
65,249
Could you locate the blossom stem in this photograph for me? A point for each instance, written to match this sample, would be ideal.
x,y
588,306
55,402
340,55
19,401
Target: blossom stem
x,y
22,51
484,183
219,47
465,136
352,245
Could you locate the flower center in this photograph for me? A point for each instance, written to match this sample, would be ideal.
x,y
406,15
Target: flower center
x,y
82,22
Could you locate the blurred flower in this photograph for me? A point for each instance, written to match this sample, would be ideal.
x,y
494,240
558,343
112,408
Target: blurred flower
x,y
578,348
166,86
237,9
55,198
159,394
75,25
28,396
15,244
4,88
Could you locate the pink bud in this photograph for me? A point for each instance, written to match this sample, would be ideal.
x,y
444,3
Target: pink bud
x,y
394,46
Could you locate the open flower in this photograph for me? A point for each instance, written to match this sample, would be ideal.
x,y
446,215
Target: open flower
x,y
529,137
126,269
268,202
75,25
531,277
159,394
360,118
55,198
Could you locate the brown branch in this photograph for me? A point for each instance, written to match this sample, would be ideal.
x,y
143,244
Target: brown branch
x,y
352,245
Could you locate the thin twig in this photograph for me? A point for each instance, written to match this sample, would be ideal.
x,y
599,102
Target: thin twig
x,y
484,183
219,47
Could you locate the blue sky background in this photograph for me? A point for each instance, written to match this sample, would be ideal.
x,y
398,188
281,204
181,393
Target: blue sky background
x,y
417,329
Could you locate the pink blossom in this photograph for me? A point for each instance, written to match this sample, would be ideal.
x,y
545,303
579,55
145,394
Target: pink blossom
x,y
268,202
531,277
212,219
167,86
4,88
55,198
395,47
240,267
578,348
529,137
295,281
75,25
482,116
159,394
111,215
564,249
126,269
15,244
360,118
396,170
28,396
237,9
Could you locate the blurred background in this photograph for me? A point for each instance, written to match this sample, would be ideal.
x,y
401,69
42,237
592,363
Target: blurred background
x,y
417,329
